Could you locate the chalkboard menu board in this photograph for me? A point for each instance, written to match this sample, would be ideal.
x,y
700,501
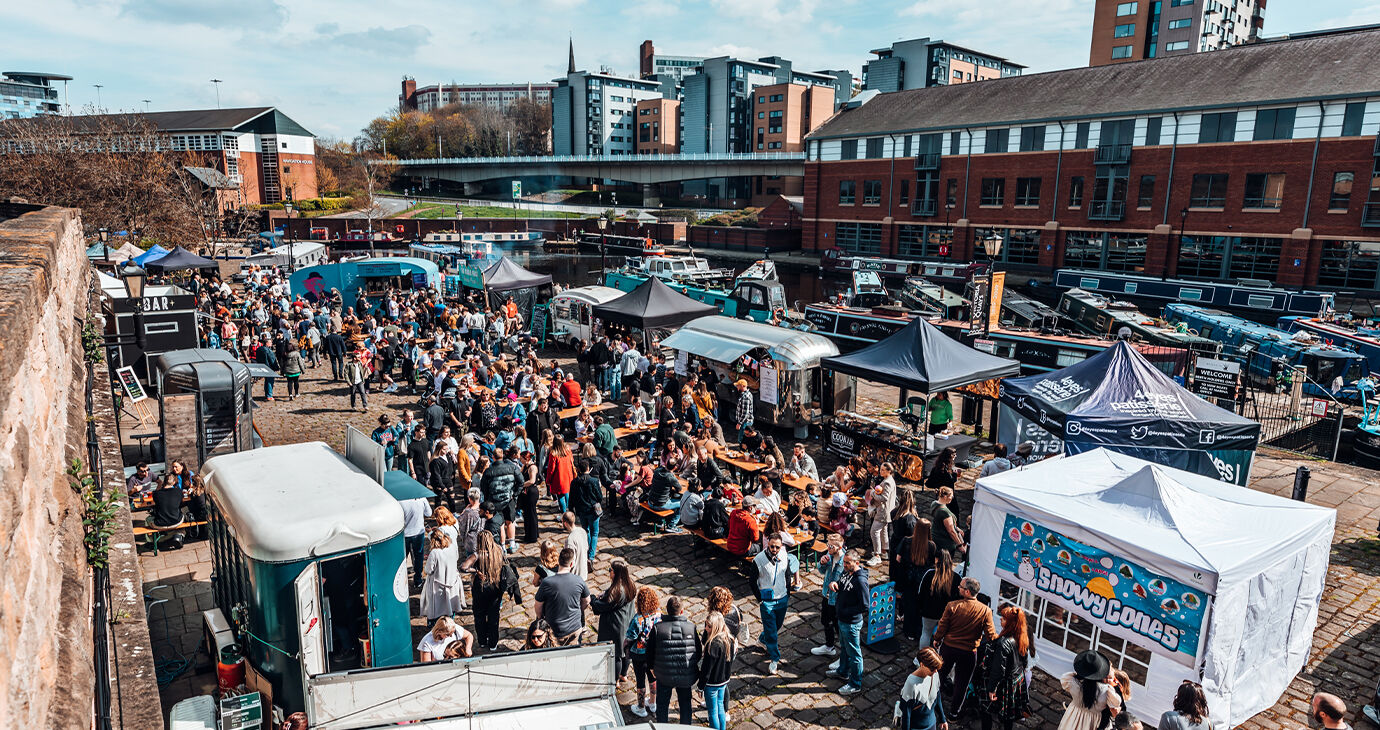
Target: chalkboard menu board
x,y
134,390
539,324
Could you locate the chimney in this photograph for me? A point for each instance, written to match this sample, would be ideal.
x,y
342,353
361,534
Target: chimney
x,y
408,100
644,57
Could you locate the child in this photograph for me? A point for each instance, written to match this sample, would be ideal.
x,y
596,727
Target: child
x,y
839,512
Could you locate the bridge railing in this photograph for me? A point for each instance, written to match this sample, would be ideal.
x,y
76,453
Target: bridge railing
x,y
705,157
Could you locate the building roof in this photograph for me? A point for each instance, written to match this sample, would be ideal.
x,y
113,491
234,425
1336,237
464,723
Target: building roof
x,y
211,177
261,119
1261,73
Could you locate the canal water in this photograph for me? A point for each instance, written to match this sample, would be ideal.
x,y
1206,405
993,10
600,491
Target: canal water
x,y
582,269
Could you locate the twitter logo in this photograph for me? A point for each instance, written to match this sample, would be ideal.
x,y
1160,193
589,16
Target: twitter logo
x,y
1139,432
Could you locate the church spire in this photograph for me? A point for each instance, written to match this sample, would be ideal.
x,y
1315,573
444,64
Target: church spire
x,y
571,67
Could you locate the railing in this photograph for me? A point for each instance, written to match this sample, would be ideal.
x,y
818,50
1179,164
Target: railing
x,y
927,161
924,208
726,157
1112,154
1370,215
1106,210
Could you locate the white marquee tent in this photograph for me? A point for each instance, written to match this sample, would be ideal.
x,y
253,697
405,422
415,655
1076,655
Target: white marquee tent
x,y
1171,575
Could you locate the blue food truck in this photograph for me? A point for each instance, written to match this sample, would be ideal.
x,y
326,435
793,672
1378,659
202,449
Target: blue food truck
x,y
370,277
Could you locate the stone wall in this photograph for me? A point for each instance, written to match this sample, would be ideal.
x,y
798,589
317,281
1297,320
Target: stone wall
x,y
46,674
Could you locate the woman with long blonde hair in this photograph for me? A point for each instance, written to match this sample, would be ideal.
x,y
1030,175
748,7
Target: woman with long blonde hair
x,y
716,668
493,577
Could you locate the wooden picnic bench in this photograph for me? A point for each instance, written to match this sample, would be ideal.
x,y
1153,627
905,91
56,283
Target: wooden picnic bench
x,y
154,534
659,525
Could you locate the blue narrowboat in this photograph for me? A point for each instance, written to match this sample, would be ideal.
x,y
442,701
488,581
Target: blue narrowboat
x,y
1248,296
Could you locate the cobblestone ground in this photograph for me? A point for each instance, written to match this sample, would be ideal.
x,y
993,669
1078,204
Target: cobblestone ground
x,y
1345,660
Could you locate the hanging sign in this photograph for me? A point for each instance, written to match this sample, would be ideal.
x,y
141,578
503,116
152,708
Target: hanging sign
x,y
471,276
1116,594
766,384
682,361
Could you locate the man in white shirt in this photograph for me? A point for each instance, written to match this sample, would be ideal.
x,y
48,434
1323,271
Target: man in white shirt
x,y
802,463
776,578
577,540
415,512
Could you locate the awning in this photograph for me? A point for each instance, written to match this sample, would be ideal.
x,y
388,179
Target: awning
x,y
703,344
725,339
260,370
402,486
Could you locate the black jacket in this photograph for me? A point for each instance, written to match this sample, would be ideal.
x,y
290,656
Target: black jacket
x,y
714,521
673,651
852,597
538,422
664,487
442,475
717,665
613,619
585,493
501,482
334,344
1005,665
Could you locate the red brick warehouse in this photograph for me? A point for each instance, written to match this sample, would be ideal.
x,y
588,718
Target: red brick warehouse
x,y
1240,163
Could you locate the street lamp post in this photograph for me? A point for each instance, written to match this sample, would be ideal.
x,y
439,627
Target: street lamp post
x,y
603,244
1183,221
134,278
103,234
287,233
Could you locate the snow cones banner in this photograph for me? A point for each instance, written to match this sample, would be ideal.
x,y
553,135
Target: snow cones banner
x,y
1115,594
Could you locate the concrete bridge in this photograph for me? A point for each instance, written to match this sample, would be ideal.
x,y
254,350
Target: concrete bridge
x,y
647,170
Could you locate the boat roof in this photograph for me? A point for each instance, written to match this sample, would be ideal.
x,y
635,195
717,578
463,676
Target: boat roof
x,y
593,294
1224,319
299,501
725,339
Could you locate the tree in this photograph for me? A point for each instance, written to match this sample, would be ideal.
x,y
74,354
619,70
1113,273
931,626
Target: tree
x,y
460,130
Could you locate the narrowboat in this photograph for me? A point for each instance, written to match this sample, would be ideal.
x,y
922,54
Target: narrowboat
x,y
755,294
1269,351
1362,337
1365,447
688,270
620,245
836,260
1251,297
1099,315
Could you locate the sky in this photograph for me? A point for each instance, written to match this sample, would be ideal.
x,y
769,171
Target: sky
x,y
333,65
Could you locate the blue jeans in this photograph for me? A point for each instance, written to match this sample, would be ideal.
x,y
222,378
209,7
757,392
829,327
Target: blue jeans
x,y
563,501
590,522
850,638
674,506
773,616
268,387
715,703
413,544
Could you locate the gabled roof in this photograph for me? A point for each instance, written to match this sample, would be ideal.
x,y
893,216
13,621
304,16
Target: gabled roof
x,y
1261,73
260,119
211,177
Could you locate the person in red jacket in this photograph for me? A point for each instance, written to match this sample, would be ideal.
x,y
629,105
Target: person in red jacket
x,y
742,528
570,391
560,472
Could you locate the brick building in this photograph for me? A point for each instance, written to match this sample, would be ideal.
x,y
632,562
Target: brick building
x,y
780,117
1132,30
1244,163
494,96
658,127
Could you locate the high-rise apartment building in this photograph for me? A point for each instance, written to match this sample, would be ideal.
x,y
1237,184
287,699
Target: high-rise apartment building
x,y
650,63
658,127
1132,30
494,96
918,63
26,94
595,113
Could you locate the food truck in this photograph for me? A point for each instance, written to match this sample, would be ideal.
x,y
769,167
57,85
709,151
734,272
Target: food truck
x,y
371,277
572,311
781,365
211,391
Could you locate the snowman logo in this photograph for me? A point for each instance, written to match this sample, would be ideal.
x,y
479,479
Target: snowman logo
x,y
1025,571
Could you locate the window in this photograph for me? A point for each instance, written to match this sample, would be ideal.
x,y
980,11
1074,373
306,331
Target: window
x,y
848,149
1022,246
925,241
955,142
951,193
1028,191
1145,195
993,191
1124,9
905,191
761,100
1274,124
872,192
1340,199
1176,46
997,141
1209,191
858,237
1083,250
1180,23
1152,130
848,190
1264,190
1080,135
1217,128
1032,139
906,146
1349,264
1178,3
1124,252
1068,630
1076,191
874,147
761,115
1351,119
1254,258
1202,256
1126,30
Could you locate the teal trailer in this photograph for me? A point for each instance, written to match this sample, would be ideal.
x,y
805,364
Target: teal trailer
x,y
308,562
371,277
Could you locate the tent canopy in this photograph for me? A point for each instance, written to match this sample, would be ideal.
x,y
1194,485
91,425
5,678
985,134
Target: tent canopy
x,y
653,304
1118,398
180,259
155,251
922,358
505,275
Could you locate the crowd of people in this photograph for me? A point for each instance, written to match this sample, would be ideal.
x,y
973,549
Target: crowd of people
x,y
517,447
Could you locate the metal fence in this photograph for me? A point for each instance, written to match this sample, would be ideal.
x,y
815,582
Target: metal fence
x,y
1294,413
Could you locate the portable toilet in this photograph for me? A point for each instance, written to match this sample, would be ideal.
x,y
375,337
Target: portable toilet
x,y
308,561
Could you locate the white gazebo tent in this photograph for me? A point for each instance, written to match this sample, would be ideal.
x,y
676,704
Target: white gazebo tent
x,y
1171,575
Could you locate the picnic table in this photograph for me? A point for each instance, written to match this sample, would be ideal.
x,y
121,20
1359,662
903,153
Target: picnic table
x,y
742,465
568,413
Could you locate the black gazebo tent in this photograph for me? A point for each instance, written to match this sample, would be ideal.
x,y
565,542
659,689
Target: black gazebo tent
x,y
651,305
514,282
180,259
921,358
1118,400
